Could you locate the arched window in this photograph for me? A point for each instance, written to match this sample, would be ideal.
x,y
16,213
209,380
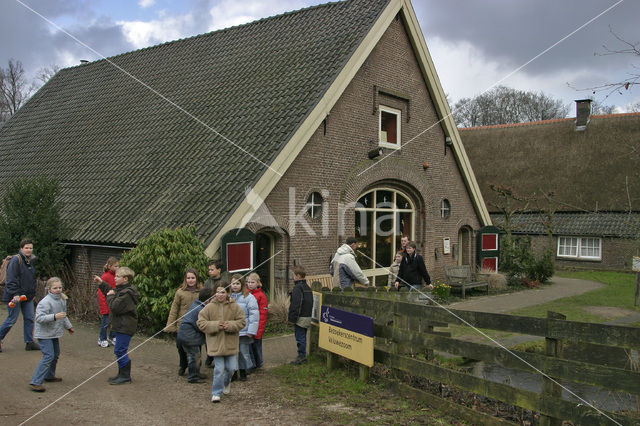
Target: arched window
x,y
383,216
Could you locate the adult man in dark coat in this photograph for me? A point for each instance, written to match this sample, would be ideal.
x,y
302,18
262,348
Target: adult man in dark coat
x,y
21,281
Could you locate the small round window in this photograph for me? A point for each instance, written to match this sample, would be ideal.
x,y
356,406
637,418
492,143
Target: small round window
x,y
445,209
314,205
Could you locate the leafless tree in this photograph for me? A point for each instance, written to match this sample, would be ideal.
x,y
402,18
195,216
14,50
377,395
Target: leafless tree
x,y
14,89
45,73
625,48
504,105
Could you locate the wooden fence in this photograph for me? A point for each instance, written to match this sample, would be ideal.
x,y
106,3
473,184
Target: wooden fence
x,y
406,334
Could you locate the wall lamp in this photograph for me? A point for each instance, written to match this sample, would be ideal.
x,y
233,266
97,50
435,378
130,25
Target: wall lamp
x,y
374,153
447,142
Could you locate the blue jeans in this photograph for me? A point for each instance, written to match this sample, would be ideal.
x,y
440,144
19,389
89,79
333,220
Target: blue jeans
x,y
27,319
224,366
193,355
104,324
120,349
301,340
244,354
46,368
256,353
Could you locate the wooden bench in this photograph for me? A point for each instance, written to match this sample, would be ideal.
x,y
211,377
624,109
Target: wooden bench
x,y
461,277
326,280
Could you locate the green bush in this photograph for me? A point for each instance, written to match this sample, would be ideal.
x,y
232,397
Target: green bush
x,y
541,269
160,262
30,210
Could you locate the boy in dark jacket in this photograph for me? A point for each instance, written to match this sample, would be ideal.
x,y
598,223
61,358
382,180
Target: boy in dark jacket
x,y
190,338
122,301
300,312
412,270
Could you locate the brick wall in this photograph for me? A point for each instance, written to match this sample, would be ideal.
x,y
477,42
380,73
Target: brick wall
x,y
331,163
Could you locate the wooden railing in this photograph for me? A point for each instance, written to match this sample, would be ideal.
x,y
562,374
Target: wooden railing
x,y
406,334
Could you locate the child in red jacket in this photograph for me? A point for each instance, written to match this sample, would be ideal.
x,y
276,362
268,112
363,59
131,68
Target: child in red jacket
x,y
255,287
108,276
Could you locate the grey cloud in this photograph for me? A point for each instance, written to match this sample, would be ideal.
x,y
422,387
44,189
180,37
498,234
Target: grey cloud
x,y
513,32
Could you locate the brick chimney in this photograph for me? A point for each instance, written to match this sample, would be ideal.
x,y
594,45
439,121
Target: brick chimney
x,y
583,111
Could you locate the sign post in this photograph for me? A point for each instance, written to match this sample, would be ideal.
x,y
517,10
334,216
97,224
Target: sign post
x,y
347,334
636,267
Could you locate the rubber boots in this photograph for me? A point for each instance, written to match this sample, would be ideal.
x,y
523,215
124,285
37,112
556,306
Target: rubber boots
x,y
124,376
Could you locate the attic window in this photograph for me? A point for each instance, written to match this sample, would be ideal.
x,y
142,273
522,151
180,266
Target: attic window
x,y
389,127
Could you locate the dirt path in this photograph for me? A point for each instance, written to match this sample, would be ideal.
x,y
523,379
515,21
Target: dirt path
x,y
502,303
157,396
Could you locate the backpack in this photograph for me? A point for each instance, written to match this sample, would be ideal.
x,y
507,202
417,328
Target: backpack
x,y
3,268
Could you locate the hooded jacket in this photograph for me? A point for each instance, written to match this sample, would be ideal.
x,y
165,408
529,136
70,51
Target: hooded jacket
x,y
21,278
344,268
122,304
47,327
188,332
221,342
108,277
301,304
182,300
413,271
249,307
263,307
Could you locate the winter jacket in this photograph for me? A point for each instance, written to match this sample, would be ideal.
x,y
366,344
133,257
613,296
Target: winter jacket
x,y
249,307
21,278
263,307
182,300
108,277
188,332
122,304
344,268
213,282
413,271
301,301
47,327
393,274
221,342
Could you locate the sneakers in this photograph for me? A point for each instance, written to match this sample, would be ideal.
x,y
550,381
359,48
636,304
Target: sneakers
x,y
37,388
32,346
103,343
111,341
215,398
227,389
298,361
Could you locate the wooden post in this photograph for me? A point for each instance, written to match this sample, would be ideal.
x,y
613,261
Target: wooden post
x,y
551,389
332,360
364,373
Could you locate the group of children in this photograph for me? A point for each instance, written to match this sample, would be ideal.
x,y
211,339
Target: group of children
x,y
229,318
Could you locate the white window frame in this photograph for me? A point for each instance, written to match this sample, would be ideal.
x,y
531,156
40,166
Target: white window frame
x,y
398,115
314,208
580,243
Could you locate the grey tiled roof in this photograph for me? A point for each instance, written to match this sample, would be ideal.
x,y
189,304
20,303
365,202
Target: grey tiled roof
x,y
600,224
130,163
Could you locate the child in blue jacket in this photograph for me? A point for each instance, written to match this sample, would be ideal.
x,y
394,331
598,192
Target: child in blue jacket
x,y
190,338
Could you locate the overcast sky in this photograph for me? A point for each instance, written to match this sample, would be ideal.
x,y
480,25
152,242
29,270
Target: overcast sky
x,y
475,44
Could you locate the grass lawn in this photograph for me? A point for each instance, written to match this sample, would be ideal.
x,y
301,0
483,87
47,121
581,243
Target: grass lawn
x,y
337,397
619,292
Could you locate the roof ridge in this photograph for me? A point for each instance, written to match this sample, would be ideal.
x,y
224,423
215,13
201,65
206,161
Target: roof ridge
x,y
209,33
553,120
